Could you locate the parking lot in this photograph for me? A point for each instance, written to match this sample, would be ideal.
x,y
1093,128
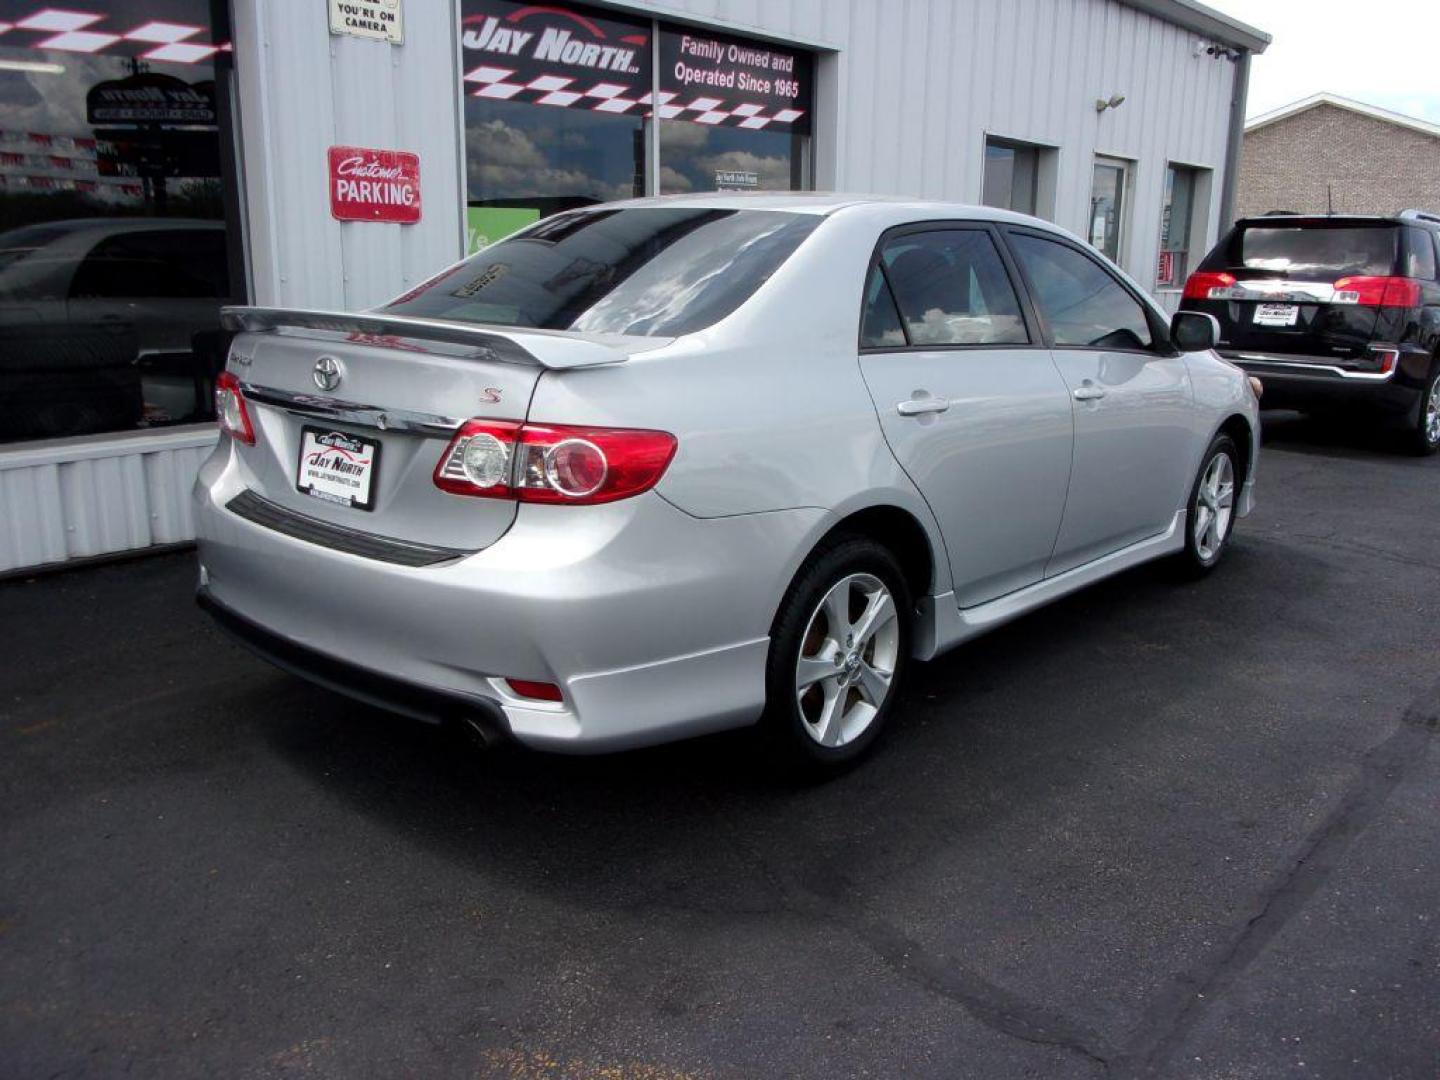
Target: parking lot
x,y
1158,829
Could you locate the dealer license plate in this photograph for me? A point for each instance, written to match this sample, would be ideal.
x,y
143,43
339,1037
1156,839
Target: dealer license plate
x,y
338,467
1276,314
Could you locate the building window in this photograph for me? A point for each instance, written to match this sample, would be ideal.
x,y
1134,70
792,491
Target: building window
x,y
1108,206
554,111
1012,175
735,114
115,253
1186,192
562,101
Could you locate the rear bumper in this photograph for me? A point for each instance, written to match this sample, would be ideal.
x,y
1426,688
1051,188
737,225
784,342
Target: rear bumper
x,y
1304,382
654,624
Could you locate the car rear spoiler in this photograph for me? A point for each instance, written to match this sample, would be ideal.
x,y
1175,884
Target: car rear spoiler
x,y
552,349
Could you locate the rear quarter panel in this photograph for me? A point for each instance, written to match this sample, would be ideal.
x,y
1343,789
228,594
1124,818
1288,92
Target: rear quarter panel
x,y
768,405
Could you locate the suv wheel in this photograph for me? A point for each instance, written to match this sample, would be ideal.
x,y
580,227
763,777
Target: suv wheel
x,y
838,655
1425,436
1211,516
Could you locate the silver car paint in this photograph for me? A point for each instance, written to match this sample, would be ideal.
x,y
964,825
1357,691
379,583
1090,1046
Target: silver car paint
x,y
654,613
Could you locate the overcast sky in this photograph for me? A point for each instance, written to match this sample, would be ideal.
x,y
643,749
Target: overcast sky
x,y
1382,52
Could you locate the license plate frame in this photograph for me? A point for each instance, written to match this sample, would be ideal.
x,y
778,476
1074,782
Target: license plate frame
x,y
1276,315
356,491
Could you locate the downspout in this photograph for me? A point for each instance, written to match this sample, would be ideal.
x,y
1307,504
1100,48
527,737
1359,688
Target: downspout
x,y
1235,140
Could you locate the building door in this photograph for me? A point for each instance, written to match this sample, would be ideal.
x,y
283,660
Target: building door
x,y
1107,206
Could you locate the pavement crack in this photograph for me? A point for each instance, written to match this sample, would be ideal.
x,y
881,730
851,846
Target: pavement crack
x,y
1178,1011
992,1005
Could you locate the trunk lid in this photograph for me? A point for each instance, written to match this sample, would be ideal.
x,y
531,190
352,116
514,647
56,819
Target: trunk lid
x,y
380,398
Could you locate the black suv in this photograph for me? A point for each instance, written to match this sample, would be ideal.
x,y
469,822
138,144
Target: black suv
x,y
1333,313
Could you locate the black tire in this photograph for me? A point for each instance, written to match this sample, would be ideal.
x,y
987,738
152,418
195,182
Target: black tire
x,y
1422,439
785,723
1197,560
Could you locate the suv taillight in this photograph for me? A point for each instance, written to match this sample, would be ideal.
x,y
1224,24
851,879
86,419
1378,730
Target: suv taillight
x,y
1377,292
1209,285
552,463
230,410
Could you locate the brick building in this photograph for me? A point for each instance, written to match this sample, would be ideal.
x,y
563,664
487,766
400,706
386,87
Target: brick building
x,y
1331,152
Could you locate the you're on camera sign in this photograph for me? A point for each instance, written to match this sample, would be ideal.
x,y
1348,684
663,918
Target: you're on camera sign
x,y
378,19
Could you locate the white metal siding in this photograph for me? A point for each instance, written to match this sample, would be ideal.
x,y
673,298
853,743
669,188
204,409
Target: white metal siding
x,y
302,91
67,499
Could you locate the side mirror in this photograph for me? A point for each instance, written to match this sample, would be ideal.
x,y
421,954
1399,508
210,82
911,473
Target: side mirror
x,y
1194,331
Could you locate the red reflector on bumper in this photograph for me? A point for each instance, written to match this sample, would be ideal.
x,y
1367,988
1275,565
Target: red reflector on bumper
x,y
539,691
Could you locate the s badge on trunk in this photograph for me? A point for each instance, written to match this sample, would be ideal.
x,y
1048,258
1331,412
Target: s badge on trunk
x,y
327,373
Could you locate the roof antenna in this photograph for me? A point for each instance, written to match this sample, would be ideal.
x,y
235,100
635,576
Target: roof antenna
x,y
1329,199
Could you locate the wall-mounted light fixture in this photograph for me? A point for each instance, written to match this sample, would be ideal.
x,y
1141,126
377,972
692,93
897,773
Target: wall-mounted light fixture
x,y
1114,103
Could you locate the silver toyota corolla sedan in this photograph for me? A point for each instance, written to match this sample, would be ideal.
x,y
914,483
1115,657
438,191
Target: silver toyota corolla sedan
x,y
668,466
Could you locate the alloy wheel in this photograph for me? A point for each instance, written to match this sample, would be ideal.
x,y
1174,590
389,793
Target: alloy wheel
x,y
1432,414
848,658
1214,506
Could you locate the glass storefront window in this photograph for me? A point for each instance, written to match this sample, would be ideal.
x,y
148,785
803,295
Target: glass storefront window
x,y
114,252
567,106
554,117
735,114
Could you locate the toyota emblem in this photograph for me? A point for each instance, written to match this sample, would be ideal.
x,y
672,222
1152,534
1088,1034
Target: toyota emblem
x,y
327,373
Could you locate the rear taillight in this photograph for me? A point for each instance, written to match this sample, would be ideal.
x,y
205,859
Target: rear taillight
x,y
552,463
1377,292
230,410
1208,285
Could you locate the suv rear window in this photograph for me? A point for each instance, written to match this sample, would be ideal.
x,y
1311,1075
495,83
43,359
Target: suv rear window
x,y
1311,253
654,272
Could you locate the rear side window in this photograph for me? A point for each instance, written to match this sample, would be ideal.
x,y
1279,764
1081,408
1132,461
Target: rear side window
x,y
880,324
1323,253
658,272
1084,304
1419,255
952,289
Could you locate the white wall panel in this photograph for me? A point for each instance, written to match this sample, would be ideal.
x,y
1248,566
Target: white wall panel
x,y
71,498
303,90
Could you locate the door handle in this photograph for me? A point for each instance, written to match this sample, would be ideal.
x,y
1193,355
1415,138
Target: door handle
x,y
920,406
1089,393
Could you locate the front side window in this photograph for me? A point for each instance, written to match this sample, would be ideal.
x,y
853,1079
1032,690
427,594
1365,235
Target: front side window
x,y
1083,302
952,289
655,272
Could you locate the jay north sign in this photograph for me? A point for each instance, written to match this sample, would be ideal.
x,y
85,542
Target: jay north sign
x,y
575,58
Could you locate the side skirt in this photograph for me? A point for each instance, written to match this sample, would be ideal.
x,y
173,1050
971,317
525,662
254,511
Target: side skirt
x,y
942,625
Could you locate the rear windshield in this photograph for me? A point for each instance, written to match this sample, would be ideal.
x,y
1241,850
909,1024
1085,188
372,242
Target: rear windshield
x,y
1308,253
657,272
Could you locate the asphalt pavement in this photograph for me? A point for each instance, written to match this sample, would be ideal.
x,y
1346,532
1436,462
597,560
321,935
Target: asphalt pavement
x,y
1158,829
